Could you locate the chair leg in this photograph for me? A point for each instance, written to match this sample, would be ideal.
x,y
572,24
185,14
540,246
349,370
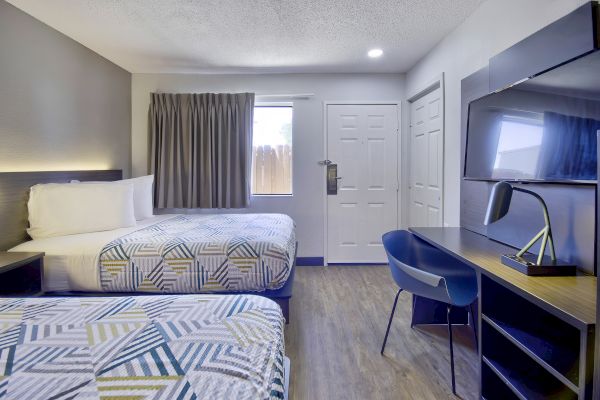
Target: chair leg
x,y
412,318
387,332
451,349
471,308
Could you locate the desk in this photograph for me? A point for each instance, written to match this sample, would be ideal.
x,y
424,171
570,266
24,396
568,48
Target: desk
x,y
537,333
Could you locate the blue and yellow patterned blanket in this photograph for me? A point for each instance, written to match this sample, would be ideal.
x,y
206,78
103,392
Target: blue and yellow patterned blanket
x,y
202,254
141,347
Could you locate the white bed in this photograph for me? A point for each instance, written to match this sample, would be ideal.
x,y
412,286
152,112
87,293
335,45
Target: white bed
x,y
213,253
102,237
71,261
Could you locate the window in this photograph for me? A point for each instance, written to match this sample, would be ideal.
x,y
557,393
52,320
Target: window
x,y
272,150
519,145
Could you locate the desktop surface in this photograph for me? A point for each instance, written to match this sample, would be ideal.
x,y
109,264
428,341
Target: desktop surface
x,y
572,297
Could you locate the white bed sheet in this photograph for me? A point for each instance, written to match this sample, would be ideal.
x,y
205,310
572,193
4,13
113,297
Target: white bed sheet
x,y
71,262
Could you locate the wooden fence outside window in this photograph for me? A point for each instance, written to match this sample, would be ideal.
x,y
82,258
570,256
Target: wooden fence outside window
x,y
272,169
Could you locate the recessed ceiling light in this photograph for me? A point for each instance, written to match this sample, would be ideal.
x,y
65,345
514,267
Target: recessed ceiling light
x,y
374,53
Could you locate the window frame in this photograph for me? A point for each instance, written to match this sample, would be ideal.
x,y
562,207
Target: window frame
x,y
281,104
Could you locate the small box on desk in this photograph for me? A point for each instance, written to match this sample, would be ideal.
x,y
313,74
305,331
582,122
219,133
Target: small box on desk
x,y
527,264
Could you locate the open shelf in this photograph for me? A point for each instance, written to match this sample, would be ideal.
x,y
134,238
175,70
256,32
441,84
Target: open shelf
x,y
554,357
523,375
495,388
548,340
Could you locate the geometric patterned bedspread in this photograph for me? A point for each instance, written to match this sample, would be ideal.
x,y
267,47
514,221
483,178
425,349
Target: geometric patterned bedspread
x,y
202,254
141,347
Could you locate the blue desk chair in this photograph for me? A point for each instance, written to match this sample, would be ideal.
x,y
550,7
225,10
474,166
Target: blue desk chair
x,y
425,271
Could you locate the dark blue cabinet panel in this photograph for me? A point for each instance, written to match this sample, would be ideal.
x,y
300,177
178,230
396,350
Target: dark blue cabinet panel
x,y
569,37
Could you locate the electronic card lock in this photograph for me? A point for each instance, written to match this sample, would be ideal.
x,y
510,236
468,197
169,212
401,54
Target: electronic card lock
x,y
332,177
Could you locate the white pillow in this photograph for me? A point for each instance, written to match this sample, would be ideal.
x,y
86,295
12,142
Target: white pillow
x,y
64,209
142,195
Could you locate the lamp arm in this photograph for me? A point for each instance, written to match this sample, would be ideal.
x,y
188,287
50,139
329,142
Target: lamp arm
x,y
546,233
539,198
537,237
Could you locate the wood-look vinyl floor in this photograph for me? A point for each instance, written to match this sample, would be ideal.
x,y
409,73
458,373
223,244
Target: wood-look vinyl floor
x,y
338,320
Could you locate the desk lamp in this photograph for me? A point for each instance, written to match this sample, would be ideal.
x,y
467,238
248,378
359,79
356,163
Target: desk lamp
x,y
523,261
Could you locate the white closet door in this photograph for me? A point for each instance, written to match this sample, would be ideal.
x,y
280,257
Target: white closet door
x,y
426,160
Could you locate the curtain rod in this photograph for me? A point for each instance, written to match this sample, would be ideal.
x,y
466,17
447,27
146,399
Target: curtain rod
x,y
286,96
266,95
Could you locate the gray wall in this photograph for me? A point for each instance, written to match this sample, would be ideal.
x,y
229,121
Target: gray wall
x,y
62,106
306,206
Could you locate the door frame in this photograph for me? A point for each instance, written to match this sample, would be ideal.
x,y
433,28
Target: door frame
x,y
438,82
399,196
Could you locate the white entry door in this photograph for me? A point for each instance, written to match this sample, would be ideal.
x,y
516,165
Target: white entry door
x,y
426,160
362,140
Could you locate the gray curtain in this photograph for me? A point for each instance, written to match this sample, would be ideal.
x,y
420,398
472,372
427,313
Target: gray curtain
x,y
201,149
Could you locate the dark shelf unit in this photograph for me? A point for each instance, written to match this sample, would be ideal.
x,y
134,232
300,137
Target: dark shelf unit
x,y
522,375
533,353
559,358
524,387
573,301
536,334
496,389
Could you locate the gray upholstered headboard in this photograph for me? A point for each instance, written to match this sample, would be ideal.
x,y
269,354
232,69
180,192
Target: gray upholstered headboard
x,y
14,193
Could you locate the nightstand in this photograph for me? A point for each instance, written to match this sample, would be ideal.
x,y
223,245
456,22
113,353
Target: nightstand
x,y
21,274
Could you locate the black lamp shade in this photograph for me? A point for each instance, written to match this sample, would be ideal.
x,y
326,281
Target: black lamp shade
x,y
499,202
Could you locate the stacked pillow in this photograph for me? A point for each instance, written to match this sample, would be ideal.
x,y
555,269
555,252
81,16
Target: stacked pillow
x,y
57,209
142,195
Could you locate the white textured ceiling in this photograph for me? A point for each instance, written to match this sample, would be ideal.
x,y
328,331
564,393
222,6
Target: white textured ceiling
x,y
222,36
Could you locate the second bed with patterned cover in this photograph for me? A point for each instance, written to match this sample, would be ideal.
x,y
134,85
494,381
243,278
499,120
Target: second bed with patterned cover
x,y
200,254
141,347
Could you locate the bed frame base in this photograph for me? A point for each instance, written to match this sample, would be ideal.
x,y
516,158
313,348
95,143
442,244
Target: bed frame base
x,y
280,296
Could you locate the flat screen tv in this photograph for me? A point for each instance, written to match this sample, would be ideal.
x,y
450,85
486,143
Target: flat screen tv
x,y
542,129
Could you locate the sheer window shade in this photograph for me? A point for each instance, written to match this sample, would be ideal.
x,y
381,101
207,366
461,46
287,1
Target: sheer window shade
x,y
201,149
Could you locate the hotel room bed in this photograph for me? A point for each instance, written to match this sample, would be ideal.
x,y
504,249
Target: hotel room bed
x,y
221,253
158,347
173,254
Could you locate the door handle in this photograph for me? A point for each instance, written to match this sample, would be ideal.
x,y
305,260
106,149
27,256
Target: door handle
x,y
325,162
332,179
